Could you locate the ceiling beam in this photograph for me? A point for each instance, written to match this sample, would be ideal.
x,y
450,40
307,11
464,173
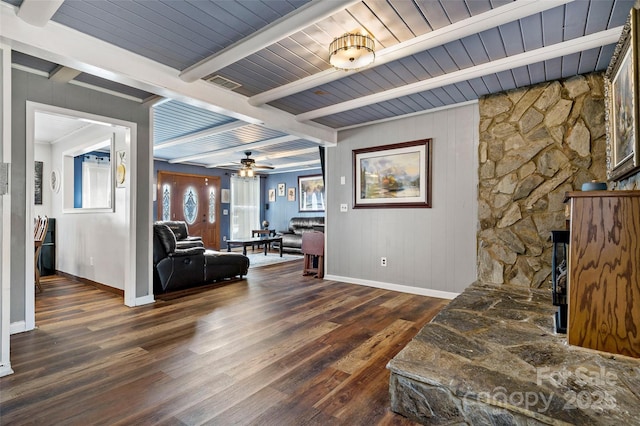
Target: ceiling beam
x,y
289,24
38,12
476,24
298,164
71,48
591,41
154,100
279,168
283,154
63,74
201,134
237,148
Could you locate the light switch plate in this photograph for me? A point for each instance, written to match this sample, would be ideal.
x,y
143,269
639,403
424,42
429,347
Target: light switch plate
x,y
342,180
225,212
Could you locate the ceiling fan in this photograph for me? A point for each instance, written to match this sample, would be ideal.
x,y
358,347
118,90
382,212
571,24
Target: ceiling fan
x,y
248,164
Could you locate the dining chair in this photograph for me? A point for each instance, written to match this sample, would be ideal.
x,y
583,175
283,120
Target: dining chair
x,y
39,233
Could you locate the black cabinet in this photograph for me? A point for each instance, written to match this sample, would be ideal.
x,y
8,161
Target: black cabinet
x,y
559,267
47,261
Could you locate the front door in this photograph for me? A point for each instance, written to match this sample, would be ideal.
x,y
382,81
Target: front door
x,y
194,199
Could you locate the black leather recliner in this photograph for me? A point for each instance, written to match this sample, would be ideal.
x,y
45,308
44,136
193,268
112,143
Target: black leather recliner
x,y
292,238
178,268
183,239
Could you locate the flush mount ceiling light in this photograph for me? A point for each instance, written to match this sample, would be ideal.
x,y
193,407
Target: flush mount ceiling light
x,y
351,51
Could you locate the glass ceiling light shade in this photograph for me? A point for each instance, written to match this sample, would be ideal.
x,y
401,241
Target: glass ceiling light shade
x,y
351,51
246,172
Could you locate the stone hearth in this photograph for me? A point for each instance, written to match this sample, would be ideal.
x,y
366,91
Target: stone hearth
x,y
491,357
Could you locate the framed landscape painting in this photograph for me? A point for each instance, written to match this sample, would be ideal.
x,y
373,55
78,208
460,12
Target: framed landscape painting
x,y
397,175
311,193
621,87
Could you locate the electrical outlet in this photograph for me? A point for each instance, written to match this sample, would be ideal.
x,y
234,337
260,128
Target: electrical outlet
x,y
344,208
383,261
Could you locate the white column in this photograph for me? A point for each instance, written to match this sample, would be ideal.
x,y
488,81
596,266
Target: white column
x,y
5,210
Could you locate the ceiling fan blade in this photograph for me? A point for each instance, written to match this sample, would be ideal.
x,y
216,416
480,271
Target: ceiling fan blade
x,y
255,166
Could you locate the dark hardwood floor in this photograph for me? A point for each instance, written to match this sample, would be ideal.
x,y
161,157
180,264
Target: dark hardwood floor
x,y
274,349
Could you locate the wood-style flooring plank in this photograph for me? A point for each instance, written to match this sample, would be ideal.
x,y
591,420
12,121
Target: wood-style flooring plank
x,y
275,348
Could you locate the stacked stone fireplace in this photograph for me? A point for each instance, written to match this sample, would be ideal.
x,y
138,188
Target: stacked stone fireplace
x,y
492,356
536,144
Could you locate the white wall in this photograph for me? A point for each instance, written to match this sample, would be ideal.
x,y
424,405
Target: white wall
x,y
429,251
5,210
89,245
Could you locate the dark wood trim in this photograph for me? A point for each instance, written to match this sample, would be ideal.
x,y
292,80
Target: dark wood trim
x,y
428,144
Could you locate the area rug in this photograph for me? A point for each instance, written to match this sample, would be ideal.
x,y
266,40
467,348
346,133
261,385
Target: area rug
x,y
258,259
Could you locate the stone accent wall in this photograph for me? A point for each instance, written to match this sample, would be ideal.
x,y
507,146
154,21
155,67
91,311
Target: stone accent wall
x,y
536,143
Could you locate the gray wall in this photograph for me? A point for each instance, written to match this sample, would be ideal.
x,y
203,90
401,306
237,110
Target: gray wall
x,y
30,87
431,249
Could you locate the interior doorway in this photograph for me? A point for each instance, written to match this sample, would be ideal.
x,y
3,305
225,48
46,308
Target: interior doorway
x,y
194,199
108,232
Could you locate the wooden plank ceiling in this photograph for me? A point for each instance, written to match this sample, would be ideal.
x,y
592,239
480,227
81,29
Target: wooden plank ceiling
x,y
283,98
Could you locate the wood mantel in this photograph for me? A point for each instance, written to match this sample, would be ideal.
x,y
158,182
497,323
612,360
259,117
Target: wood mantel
x,y
604,271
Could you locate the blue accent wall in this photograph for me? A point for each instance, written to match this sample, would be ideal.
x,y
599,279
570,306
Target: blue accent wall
x,y
224,175
77,181
280,211
277,213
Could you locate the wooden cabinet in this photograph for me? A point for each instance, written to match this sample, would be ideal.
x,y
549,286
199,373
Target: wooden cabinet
x,y
604,271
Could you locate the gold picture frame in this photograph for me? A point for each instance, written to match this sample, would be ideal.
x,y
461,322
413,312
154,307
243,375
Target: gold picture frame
x,y
621,85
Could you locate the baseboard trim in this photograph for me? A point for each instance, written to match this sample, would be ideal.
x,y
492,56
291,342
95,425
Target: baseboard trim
x,y
17,327
395,287
95,284
5,370
144,300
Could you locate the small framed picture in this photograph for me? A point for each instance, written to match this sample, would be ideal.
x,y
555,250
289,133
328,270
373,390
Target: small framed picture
x,y
224,195
38,182
291,194
54,181
121,168
311,189
272,195
281,189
